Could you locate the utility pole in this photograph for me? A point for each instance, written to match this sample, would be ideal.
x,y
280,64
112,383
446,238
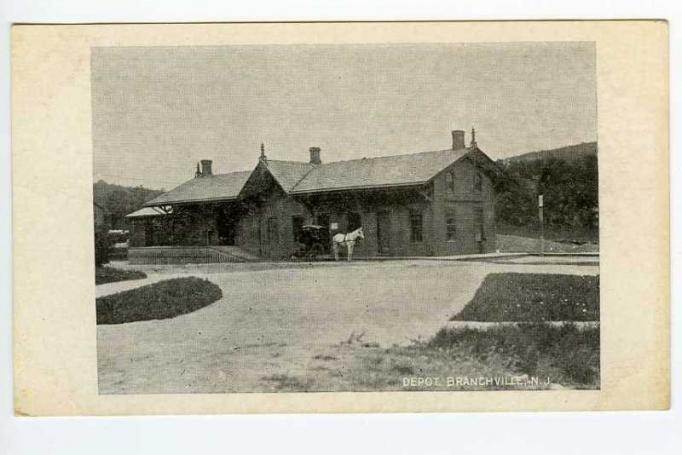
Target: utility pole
x,y
542,225
541,191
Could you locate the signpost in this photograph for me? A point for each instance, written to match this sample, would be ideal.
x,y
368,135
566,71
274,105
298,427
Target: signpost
x,y
542,225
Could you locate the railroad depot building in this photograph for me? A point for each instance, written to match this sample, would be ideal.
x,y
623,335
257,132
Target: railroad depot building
x,y
422,204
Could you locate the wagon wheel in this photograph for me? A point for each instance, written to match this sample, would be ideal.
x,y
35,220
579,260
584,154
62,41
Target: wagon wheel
x,y
316,250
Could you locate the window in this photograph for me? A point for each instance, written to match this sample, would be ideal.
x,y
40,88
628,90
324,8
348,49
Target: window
x,y
354,221
450,226
450,181
297,227
416,226
479,224
478,182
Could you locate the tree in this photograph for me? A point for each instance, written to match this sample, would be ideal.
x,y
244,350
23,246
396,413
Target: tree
x,y
570,190
102,247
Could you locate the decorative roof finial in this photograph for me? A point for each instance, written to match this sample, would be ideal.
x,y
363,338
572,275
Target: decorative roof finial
x,y
262,152
198,171
473,138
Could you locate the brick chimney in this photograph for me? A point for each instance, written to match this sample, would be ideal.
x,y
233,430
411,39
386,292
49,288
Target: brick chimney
x,y
206,168
315,155
458,139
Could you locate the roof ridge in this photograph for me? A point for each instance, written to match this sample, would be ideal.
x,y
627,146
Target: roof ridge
x,y
370,158
288,161
269,160
400,154
222,173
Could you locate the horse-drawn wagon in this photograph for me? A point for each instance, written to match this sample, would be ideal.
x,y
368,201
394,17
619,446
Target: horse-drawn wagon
x,y
314,239
315,242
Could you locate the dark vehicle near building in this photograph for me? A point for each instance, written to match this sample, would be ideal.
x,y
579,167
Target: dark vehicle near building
x,y
315,243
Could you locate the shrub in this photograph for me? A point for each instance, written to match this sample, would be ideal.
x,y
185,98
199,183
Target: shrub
x,y
162,300
111,275
102,247
531,297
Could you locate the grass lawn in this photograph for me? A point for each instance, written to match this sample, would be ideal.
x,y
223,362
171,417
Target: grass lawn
x,y
162,300
531,297
516,244
112,275
567,355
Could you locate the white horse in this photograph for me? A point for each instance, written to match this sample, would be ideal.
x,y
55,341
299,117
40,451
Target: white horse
x,y
348,240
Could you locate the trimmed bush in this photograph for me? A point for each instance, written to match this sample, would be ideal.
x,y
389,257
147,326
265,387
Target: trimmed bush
x,y
162,300
533,297
111,275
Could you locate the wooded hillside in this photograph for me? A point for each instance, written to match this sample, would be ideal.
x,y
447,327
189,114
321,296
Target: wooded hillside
x,y
568,179
118,201
569,153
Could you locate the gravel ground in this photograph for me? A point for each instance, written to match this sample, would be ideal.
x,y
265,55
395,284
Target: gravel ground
x,y
274,319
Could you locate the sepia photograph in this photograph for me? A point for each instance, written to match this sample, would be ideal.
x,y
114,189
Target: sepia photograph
x,y
346,218
310,229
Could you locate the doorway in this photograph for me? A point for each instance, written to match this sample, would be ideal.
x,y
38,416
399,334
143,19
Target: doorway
x,y
479,226
271,244
226,223
383,232
354,221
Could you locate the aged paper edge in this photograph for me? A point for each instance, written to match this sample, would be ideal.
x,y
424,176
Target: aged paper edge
x,y
55,367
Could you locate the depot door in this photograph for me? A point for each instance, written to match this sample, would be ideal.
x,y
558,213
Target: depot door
x,y
383,232
479,229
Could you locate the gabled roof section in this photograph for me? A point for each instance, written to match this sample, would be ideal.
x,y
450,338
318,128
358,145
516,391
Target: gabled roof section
x,y
288,173
218,187
285,174
486,163
398,170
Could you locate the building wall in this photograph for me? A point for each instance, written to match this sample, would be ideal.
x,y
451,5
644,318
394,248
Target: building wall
x,y
463,201
195,225
267,227
254,236
399,239
397,206
137,233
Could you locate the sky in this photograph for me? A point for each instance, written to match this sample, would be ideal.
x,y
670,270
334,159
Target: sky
x,y
158,110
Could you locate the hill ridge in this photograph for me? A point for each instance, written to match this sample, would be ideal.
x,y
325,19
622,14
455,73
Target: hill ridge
x,y
567,153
